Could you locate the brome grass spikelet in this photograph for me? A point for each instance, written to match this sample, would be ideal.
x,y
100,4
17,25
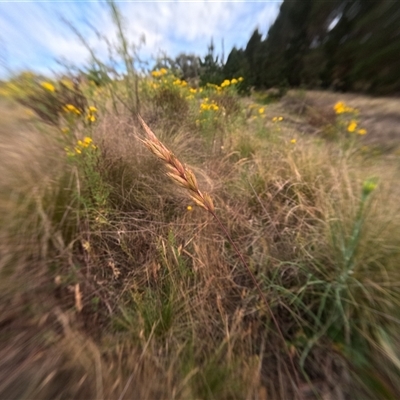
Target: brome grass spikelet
x,y
178,172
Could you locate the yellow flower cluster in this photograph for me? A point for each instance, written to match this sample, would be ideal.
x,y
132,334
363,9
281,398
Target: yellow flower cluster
x,y
207,105
277,119
213,86
166,78
81,145
340,108
233,81
179,82
352,126
91,115
225,83
48,86
159,73
70,108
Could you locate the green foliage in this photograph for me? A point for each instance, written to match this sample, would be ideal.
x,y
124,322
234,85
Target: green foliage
x,y
301,50
98,76
211,68
47,98
172,103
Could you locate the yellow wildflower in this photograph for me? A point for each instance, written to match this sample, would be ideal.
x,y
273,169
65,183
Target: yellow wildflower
x,y
189,208
156,74
352,126
192,90
48,86
293,141
261,110
362,131
163,71
87,140
92,109
240,79
176,82
71,108
225,83
339,107
234,81
183,83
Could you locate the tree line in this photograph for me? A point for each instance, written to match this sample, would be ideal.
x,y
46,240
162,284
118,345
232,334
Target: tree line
x,y
346,45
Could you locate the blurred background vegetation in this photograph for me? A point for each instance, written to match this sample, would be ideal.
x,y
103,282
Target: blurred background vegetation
x,y
340,44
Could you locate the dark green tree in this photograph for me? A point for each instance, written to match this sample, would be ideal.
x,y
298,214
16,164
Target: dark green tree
x,y
211,67
236,64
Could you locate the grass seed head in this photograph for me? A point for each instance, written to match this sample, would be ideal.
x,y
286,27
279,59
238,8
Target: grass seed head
x,y
179,173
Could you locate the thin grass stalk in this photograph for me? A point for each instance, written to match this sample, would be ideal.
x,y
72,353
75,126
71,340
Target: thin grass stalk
x,y
185,178
96,61
124,52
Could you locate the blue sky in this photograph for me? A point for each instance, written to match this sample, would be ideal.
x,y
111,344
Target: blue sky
x,y
33,36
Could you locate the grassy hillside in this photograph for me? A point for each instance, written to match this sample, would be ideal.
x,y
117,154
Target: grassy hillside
x,y
116,284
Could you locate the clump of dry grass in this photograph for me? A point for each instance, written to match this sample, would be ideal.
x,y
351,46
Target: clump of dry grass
x,y
185,178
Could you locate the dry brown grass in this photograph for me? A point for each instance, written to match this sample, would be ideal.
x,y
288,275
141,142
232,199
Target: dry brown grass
x,y
167,309
379,115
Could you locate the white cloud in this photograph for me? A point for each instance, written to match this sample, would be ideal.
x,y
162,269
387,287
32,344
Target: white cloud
x,y
35,35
